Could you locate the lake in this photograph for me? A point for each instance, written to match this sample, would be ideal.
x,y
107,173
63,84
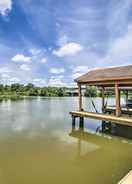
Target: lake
x,y
38,146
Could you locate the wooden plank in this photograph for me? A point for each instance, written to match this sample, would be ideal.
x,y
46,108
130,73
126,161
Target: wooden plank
x,y
105,117
104,79
127,179
125,109
127,83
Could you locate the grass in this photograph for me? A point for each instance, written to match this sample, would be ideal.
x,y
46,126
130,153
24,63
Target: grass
x,y
11,97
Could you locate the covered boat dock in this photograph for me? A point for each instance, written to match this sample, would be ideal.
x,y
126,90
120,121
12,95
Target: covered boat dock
x,y
116,79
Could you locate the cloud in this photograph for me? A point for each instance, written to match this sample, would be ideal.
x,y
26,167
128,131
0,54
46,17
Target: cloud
x,y
56,70
118,17
122,47
120,51
96,34
10,80
4,70
25,67
21,58
56,81
5,76
44,60
63,40
39,82
78,71
14,80
35,51
68,49
5,6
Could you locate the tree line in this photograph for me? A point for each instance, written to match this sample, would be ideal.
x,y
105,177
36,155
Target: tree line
x,y
31,90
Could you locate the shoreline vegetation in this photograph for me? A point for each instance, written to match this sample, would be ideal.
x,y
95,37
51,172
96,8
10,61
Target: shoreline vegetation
x,y
19,91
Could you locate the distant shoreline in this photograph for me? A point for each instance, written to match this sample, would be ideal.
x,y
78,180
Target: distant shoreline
x,y
19,91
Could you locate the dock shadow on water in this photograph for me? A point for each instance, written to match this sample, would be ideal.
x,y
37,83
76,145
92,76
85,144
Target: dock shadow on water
x,y
107,150
116,130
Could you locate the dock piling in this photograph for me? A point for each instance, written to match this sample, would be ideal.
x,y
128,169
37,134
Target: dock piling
x,y
81,123
73,122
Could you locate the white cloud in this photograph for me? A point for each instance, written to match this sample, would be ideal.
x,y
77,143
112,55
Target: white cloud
x,y
14,80
56,70
5,76
81,69
25,67
44,60
9,80
120,51
76,75
4,70
62,40
118,13
21,58
68,49
39,82
78,71
35,51
56,81
5,6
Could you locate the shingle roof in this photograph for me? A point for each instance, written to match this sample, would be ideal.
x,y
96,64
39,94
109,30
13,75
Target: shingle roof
x,y
107,74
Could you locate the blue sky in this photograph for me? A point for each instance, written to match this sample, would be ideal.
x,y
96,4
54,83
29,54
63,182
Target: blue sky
x,y
51,42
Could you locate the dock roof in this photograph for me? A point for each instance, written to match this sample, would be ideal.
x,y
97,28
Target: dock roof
x,y
107,76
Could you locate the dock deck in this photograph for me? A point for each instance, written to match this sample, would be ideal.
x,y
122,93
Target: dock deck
x,y
127,179
119,120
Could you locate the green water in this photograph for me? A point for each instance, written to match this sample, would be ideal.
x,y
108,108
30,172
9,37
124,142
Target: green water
x,y
38,146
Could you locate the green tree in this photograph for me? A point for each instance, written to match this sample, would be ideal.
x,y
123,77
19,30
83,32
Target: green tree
x,y
91,91
1,88
60,92
43,92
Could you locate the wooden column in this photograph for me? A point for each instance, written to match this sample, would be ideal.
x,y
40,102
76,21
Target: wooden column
x,y
73,123
117,96
103,99
80,97
81,123
126,96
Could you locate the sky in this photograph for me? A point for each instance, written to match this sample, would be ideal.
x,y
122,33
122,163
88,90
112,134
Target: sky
x,y
52,42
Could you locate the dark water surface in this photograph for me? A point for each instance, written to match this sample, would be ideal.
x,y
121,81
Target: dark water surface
x,y
38,146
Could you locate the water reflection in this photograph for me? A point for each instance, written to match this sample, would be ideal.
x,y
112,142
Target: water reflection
x,y
105,153
36,146
116,130
107,127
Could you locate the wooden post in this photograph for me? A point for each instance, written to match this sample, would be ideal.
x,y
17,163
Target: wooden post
x,y
117,96
103,100
73,122
80,97
81,123
126,97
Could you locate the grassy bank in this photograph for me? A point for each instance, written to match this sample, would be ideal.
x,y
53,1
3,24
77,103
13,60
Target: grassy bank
x,y
11,97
